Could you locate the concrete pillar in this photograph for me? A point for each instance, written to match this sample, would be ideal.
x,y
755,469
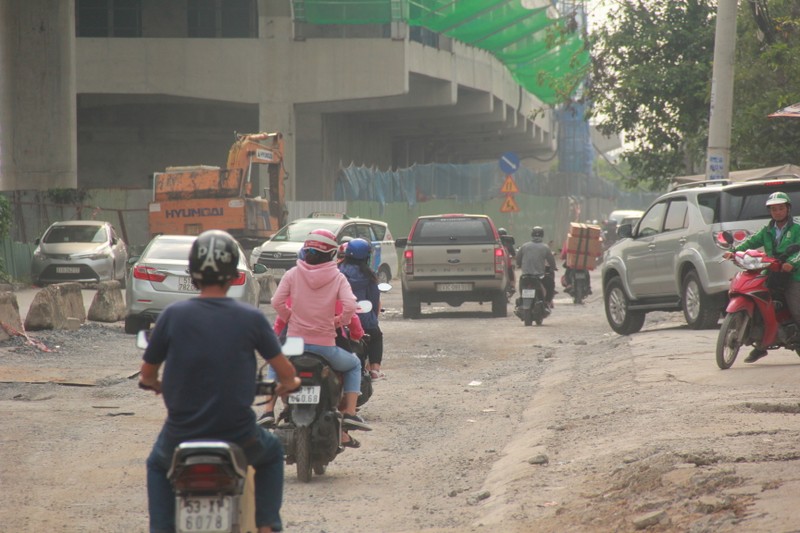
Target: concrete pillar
x,y
38,126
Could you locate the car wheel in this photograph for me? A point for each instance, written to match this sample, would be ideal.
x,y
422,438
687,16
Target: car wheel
x,y
135,323
699,309
500,305
411,305
619,316
384,274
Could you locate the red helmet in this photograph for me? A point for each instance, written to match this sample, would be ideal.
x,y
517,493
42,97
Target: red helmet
x,y
321,240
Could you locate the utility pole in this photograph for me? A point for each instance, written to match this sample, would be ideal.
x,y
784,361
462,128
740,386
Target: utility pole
x,y
721,116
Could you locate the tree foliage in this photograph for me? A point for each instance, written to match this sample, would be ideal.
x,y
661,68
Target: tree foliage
x,y
767,74
651,79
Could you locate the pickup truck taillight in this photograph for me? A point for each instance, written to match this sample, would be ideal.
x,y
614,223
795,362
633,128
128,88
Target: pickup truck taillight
x,y
408,259
240,279
499,261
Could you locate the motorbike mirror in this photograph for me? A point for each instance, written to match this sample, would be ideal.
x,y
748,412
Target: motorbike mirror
x,y
384,287
293,346
363,306
725,238
143,338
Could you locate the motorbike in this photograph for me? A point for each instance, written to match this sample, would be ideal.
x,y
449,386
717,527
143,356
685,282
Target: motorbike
x,y
576,284
310,427
531,306
757,313
214,486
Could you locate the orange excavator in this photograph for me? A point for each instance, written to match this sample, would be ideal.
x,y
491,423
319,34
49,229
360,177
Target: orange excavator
x,y
188,200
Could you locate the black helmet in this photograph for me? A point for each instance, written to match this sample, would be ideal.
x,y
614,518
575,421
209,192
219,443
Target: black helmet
x,y
537,232
214,257
502,231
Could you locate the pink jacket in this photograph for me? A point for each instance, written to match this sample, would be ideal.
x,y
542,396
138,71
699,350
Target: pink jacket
x,y
314,290
354,328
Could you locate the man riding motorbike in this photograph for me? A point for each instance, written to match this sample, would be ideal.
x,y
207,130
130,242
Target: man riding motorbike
x,y
534,257
780,233
206,345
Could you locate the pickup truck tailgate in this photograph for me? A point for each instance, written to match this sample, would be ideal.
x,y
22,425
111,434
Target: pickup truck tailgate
x,y
454,261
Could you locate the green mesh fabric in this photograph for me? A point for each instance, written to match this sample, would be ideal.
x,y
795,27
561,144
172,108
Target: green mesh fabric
x,y
522,39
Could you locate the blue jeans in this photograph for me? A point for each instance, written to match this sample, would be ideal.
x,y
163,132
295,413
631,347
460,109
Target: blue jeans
x,y
340,360
264,453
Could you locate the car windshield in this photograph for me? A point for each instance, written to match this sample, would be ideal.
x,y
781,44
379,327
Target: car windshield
x,y
453,229
749,203
93,233
298,230
168,249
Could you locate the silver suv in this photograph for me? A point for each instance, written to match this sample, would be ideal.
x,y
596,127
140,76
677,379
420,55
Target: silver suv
x,y
671,259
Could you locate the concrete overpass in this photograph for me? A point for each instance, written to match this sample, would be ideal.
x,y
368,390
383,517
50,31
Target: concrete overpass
x,y
150,90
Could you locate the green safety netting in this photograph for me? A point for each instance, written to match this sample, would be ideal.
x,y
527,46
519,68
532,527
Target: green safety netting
x,y
538,51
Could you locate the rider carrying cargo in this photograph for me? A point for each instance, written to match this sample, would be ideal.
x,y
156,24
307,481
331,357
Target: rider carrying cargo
x,y
776,237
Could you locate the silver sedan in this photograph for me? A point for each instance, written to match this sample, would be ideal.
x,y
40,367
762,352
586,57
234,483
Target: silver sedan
x,y
79,250
160,277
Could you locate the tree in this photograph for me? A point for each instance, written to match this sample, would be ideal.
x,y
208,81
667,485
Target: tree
x,y
651,78
767,75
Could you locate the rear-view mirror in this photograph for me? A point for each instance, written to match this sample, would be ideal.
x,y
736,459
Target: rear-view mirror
x,y
625,231
258,268
401,243
363,306
384,287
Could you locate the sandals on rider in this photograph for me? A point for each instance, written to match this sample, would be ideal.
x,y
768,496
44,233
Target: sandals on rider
x,y
351,442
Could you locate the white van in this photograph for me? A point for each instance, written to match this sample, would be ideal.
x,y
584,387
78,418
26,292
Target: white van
x,y
279,253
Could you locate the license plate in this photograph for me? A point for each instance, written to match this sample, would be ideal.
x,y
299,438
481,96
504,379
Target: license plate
x,y
453,287
276,272
208,514
68,270
305,395
185,285
529,293
580,274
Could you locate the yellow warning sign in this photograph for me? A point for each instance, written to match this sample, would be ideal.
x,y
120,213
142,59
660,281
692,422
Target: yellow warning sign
x,y
509,205
509,187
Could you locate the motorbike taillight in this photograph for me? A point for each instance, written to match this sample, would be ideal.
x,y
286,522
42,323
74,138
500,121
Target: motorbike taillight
x,y
204,477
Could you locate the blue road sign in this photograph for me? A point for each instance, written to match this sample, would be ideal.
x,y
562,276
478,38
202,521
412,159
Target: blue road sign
x,y
509,162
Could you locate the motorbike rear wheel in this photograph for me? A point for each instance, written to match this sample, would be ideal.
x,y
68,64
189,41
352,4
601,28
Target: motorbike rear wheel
x,y
302,453
577,293
732,335
538,312
527,316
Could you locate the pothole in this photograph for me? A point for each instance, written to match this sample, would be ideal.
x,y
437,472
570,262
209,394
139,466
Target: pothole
x,y
773,407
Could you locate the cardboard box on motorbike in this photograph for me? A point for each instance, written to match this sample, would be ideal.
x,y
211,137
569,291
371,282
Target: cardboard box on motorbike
x,y
584,246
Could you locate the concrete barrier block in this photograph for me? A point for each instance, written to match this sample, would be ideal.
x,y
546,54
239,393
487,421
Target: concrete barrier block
x,y
108,304
53,305
9,314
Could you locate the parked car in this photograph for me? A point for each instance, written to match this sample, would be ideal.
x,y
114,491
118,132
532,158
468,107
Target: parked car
x,y
671,259
279,253
79,250
453,259
160,276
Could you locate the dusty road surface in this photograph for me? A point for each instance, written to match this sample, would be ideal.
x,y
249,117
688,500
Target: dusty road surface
x,y
481,425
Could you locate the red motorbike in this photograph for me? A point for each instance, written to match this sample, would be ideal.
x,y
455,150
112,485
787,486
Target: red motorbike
x,y
757,314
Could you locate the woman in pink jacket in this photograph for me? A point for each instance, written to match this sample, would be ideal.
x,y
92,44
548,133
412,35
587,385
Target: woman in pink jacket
x,y
314,286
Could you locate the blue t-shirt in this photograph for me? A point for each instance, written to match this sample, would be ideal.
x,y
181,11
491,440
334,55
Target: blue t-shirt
x,y
208,349
364,288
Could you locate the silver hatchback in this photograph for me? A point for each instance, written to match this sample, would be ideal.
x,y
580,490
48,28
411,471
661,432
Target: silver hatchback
x,y
160,277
